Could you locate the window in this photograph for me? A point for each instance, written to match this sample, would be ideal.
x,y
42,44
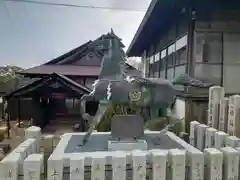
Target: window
x,y
181,56
171,56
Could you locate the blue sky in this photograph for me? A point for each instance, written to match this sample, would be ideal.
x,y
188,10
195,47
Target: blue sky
x,y
31,34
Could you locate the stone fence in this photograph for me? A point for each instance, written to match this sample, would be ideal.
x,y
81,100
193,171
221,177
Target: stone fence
x,y
213,155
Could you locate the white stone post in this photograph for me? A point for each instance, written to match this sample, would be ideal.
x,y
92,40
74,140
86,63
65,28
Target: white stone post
x,y
231,163
33,167
233,116
77,167
220,139
232,141
177,164
210,137
34,132
193,133
195,161
55,168
9,167
23,151
223,115
216,93
159,164
213,160
98,166
201,129
119,166
139,165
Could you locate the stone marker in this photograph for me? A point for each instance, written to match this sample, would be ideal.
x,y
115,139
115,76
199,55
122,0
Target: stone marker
x,y
193,132
9,167
159,164
55,168
201,136
77,167
230,163
177,164
223,115
33,167
213,160
48,143
232,141
139,165
233,115
98,166
210,137
34,132
216,93
195,161
119,166
220,139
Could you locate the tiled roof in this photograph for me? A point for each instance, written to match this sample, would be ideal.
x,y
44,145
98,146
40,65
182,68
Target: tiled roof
x,y
66,70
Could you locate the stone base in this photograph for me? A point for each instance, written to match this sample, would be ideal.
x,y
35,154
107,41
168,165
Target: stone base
x,y
127,145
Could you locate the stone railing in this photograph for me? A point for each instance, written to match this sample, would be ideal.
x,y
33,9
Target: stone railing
x,y
212,161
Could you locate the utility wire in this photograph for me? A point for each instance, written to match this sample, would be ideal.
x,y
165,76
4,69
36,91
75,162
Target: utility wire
x,y
75,5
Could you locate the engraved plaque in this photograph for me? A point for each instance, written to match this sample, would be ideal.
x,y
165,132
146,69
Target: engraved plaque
x,y
127,126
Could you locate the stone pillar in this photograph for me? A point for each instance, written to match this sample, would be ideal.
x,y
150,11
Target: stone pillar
x,y
98,166
201,129
34,132
177,164
223,115
233,116
159,164
33,167
232,141
9,167
55,168
220,139
213,160
139,165
216,94
193,133
195,159
77,168
119,166
210,137
231,163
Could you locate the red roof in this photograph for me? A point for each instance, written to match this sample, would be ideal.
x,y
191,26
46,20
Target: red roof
x,y
67,70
